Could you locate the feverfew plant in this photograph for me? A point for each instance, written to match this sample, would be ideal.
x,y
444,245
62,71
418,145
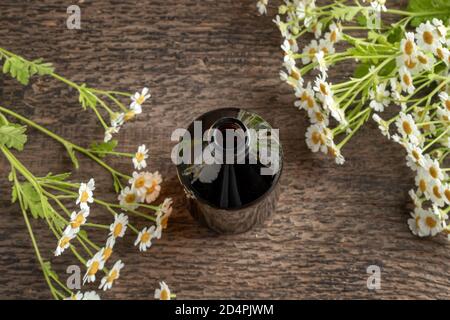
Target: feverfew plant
x,y
403,66
68,207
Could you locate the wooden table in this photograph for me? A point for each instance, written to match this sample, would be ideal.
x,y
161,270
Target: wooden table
x,y
332,221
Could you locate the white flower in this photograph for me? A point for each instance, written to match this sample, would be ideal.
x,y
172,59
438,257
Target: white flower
x,y
163,293
443,54
415,158
117,119
144,238
316,138
406,80
128,198
119,226
77,219
413,222
382,125
317,29
323,88
433,169
326,46
86,194
437,193
379,5
138,99
415,198
262,6
335,34
408,45
281,26
64,241
441,30
93,265
108,250
306,99
163,216
427,37
426,62
139,158
380,98
113,275
322,64
154,188
422,183
429,223
407,127
445,99
109,133
309,52
140,182
91,295
319,117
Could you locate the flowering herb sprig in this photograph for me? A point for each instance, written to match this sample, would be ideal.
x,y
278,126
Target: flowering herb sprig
x,y
51,198
403,66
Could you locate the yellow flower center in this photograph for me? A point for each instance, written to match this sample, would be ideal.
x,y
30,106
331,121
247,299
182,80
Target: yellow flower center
x,y
145,237
312,52
431,223
333,36
416,155
117,229
84,196
78,221
407,127
164,221
140,100
325,50
64,241
332,152
140,156
295,75
428,37
436,192
112,276
316,138
433,172
165,294
152,188
319,116
447,104
409,46
406,79
422,59
422,185
130,198
140,182
107,253
94,268
323,89
410,64
440,53
129,115
447,194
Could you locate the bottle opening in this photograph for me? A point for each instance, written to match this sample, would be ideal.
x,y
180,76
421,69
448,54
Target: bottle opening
x,y
230,135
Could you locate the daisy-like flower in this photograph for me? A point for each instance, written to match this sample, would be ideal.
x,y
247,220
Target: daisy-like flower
x,y
319,117
415,198
326,47
262,6
113,275
426,62
445,99
119,226
414,158
406,80
378,5
310,51
335,153
408,45
446,188
109,133
155,187
422,182
128,198
91,295
144,238
443,54
407,127
443,114
441,30
410,62
322,64
93,265
335,33
86,194
283,27
433,169
139,98
437,193
77,219
429,223
306,99
316,138
117,119
108,250
323,88
413,222
427,37
316,28
64,241
163,293
162,218
382,125
379,97
139,158
140,182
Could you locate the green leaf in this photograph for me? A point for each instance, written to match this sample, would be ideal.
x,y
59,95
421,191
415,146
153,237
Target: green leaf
x,y
388,69
13,136
14,194
86,98
361,70
102,149
33,202
58,177
22,70
439,9
72,155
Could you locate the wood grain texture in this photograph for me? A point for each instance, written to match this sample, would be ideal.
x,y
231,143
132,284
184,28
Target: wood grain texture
x,y
331,223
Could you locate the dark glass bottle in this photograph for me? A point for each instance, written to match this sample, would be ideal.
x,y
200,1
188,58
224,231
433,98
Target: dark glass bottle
x,y
229,163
